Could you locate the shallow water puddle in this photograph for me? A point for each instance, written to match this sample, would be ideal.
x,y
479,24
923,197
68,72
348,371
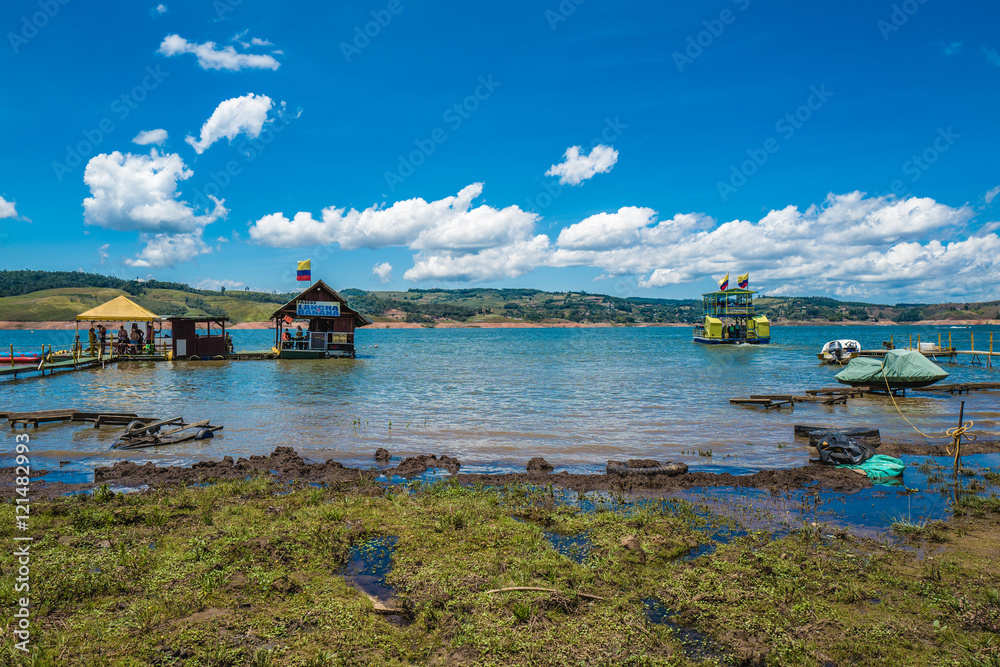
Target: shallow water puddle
x,y
574,547
695,644
926,492
366,570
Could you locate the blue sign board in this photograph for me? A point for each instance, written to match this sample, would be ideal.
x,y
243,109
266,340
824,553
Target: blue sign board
x,y
317,308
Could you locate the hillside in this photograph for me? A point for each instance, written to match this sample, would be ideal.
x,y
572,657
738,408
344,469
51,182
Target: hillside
x,y
39,296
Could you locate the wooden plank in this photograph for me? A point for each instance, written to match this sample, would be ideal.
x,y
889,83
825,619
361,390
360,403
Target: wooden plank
x,y
88,416
750,401
184,428
154,425
43,414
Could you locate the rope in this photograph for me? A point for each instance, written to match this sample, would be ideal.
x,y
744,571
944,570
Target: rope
x,y
954,433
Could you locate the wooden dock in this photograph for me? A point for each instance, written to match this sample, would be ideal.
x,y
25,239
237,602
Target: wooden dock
x,y
99,419
962,388
949,351
44,367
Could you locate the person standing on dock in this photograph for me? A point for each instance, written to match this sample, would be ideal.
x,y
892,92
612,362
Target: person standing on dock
x,y
92,349
122,340
102,333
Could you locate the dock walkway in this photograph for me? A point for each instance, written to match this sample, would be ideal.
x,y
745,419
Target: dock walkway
x,y
44,367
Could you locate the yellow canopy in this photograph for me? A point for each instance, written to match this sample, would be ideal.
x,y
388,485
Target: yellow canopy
x,y
119,309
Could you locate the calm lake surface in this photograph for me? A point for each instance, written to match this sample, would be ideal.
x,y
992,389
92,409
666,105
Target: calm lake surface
x,y
494,398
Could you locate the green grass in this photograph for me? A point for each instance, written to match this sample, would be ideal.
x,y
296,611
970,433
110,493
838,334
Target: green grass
x,y
245,572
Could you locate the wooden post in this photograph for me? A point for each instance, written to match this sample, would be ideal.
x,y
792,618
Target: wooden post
x,y
958,440
12,355
972,341
918,342
949,340
911,341
939,340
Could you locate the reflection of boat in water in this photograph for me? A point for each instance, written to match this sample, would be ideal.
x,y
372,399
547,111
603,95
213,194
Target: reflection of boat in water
x,y
899,369
838,351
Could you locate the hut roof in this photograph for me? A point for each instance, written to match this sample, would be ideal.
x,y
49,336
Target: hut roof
x,y
120,308
289,308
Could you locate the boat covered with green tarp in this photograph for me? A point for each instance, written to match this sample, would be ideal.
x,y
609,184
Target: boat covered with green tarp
x,y
899,369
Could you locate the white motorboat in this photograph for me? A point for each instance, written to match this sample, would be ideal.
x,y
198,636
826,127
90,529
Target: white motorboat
x,y
840,351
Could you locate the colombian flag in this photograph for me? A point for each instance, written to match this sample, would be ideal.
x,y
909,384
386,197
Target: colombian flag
x,y
304,273
724,283
743,280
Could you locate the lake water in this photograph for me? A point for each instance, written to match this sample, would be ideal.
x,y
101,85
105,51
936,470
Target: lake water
x,y
494,398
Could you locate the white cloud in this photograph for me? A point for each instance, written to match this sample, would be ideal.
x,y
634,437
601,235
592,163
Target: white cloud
x,y
382,272
850,246
211,58
257,41
232,117
147,137
949,48
507,261
167,250
103,254
456,240
990,194
213,284
139,193
451,223
577,168
7,209
160,9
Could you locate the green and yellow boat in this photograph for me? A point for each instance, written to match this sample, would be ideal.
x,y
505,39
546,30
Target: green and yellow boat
x,y
730,319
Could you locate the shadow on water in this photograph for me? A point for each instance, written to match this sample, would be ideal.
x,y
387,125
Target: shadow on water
x,y
366,571
696,645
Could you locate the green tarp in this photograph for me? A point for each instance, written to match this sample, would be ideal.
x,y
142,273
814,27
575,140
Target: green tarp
x,y
879,467
902,368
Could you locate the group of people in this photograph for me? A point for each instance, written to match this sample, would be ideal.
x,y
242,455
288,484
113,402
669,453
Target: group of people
x,y
733,331
297,341
127,342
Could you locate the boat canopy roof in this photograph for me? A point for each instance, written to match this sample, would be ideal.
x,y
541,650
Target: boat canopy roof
x,y
734,290
898,368
119,309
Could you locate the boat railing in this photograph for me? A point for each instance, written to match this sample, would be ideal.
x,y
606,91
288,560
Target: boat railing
x,y
320,340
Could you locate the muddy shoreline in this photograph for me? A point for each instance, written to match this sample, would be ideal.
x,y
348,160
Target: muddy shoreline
x,y
286,465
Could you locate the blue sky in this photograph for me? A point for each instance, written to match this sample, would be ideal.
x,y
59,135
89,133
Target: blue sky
x,y
636,148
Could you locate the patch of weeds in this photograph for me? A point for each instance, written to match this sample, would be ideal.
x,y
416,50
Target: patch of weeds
x,y
929,530
979,506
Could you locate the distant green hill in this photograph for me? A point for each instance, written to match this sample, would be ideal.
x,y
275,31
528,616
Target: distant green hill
x,y
37,296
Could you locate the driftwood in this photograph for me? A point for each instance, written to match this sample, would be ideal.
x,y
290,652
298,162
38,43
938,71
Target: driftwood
x,y
541,590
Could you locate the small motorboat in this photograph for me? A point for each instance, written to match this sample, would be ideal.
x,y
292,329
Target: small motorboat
x,y
20,359
840,351
899,369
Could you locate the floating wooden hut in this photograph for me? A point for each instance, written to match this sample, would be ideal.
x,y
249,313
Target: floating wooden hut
x,y
199,337
730,319
330,325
